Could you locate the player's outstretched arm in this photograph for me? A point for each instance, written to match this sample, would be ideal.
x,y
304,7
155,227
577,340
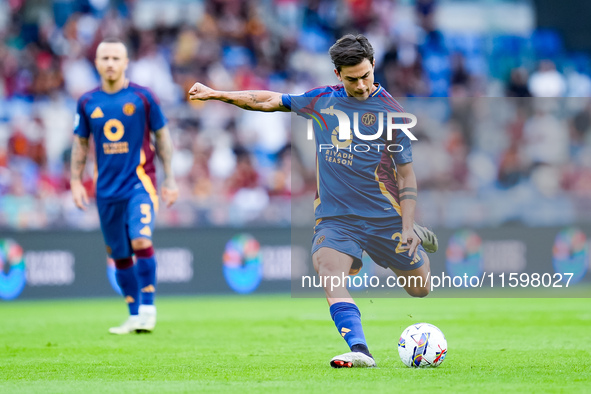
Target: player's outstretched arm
x,y
407,189
252,100
169,190
77,164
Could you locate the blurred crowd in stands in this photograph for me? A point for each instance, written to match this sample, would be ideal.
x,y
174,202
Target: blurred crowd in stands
x,y
479,162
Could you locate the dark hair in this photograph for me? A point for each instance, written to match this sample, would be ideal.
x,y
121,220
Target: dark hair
x,y
350,50
112,40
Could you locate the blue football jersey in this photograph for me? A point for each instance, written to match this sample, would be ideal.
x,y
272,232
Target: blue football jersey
x,y
355,176
121,124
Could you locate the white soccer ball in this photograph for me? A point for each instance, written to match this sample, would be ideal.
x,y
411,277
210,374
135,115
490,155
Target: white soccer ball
x,y
422,345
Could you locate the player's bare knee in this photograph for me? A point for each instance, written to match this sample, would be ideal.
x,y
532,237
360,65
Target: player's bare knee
x,y
140,243
418,292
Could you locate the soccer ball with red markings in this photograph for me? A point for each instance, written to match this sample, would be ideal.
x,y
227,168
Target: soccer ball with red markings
x,y
422,345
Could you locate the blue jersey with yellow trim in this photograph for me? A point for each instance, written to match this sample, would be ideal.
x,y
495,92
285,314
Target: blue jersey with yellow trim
x,y
356,176
120,124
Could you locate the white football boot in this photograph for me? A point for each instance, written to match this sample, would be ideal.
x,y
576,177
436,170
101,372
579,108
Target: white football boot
x,y
130,325
352,360
147,314
428,238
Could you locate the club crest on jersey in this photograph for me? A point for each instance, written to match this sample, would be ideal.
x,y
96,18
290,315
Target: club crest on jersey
x,y
129,109
368,119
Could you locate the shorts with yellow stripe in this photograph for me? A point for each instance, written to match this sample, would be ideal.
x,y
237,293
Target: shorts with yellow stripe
x,y
124,220
381,238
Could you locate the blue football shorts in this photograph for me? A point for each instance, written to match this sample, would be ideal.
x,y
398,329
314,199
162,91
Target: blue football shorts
x,y
124,220
379,237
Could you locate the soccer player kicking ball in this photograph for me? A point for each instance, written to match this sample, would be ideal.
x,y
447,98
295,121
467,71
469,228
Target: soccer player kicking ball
x,y
366,202
122,116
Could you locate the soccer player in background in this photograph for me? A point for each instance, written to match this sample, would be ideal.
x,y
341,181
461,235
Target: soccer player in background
x,y
122,116
359,206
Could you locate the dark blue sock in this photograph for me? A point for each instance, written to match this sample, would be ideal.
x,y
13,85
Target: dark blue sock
x,y
347,318
127,282
146,272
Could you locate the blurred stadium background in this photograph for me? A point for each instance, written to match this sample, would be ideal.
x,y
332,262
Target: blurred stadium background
x,y
244,169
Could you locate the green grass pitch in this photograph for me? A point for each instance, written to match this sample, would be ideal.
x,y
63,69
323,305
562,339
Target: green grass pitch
x,y
279,344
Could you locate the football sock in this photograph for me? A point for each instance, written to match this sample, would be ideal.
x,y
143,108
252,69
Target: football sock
x,y
347,318
127,281
146,272
361,348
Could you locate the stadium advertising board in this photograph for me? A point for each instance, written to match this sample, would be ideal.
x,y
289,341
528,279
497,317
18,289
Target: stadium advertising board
x,y
45,265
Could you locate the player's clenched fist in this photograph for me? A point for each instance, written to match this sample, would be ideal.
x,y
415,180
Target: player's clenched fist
x,y
200,92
